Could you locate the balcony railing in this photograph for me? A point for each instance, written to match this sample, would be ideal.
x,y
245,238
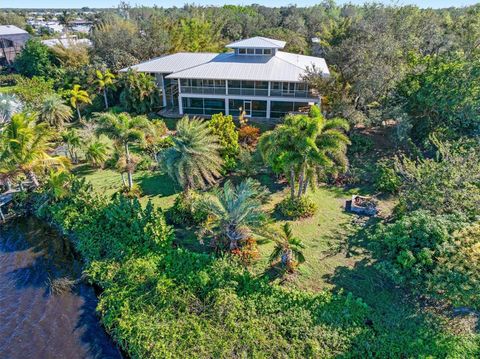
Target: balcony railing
x,y
295,94
204,90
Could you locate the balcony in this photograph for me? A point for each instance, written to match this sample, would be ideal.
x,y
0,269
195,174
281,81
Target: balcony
x,y
204,90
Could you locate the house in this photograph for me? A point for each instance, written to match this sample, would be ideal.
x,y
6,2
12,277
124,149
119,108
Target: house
x,y
67,41
254,76
12,41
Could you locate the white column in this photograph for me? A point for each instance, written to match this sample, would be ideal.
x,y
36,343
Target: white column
x,y
269,87
268,105
180,105
164,91
227,107
226,87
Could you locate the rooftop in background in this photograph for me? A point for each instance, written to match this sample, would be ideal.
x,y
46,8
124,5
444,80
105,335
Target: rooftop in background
x,y
11,30
67,42
257,42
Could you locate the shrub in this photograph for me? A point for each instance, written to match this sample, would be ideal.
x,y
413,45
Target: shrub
x,y
386,179
432,255
185,210
248,136
224,128
296,208
361,144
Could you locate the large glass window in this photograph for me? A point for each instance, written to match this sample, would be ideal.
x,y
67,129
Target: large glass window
x,y
203,106
248,88
289,89
203,86
281,108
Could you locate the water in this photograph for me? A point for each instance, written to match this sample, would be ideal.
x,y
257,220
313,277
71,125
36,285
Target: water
x,y
34,322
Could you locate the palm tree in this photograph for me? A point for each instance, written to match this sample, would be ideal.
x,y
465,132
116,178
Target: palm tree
x,y
54,111
288,249
105,81
57,183
193,160
73,141
9,105
77,97
124,130
236,213
304,147
96,153
27,145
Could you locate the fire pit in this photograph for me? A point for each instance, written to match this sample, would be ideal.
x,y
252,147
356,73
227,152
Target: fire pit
x,y
361,205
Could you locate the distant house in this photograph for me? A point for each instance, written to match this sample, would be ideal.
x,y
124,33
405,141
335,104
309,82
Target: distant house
x,y
254,77
12,41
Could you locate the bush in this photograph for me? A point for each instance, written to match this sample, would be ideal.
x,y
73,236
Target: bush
x,y
296,208
185,210
248,136
361,144
386,179
432,255
224,128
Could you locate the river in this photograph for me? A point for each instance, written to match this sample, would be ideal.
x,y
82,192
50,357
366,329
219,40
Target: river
x,y
35,322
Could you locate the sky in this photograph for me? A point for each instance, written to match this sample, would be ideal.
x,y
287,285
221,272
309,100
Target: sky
x,y
170,3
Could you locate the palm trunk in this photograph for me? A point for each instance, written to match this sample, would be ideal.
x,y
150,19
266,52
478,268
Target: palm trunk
x,y
129,170
300,181
105,98
292,183
33,177
123,180
305,185
8,184
78,113
287,258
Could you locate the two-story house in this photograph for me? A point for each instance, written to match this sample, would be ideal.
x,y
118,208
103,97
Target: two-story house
x,y
254,77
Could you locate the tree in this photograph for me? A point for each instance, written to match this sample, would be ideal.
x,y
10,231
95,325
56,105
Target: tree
x,y
236,212
288,249
58,183
74,56
27,145
34,60
55,112
73,142
96,152
77,97
32,92
194,159
224,127
196,34
124,130
139,92
305,148
9,105
105,81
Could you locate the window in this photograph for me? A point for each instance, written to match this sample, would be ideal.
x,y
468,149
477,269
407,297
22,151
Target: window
x,y
250,51
281,108
267,51
242,51
201,106
258,52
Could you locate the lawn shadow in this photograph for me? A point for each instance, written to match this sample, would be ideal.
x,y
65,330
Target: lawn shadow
x,y
157,184
84,169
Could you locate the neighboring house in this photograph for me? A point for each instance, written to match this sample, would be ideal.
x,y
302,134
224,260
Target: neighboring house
x,y
67,41
12,41
254,77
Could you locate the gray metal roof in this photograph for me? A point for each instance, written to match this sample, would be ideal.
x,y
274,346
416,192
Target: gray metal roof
x,y
11,30
172,63
257,42
283,66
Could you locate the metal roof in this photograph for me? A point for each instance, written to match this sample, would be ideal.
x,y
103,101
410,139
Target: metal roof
x,y
283,66
257,42
11,30
172,63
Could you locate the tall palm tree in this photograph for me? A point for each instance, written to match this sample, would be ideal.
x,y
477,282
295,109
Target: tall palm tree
x,y
288,248
73,141
105,80
77,97
27,145
124,130
304,147
96,152
236,211
193,160
54,111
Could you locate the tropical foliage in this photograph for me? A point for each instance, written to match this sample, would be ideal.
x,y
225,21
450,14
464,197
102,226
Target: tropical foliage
x,y
194,159
288,249
77,97
54,111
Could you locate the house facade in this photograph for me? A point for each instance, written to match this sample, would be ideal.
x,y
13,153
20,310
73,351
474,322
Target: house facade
x,y
12,41
253,77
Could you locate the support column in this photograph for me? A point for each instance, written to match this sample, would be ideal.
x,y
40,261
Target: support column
x,y
164,91
180,104
226,87
269,87
268,105
227,107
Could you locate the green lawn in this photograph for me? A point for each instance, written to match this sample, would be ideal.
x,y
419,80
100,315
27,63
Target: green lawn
x,y
323,235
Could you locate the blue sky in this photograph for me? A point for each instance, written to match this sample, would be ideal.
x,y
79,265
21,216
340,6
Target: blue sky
x,y
169,3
